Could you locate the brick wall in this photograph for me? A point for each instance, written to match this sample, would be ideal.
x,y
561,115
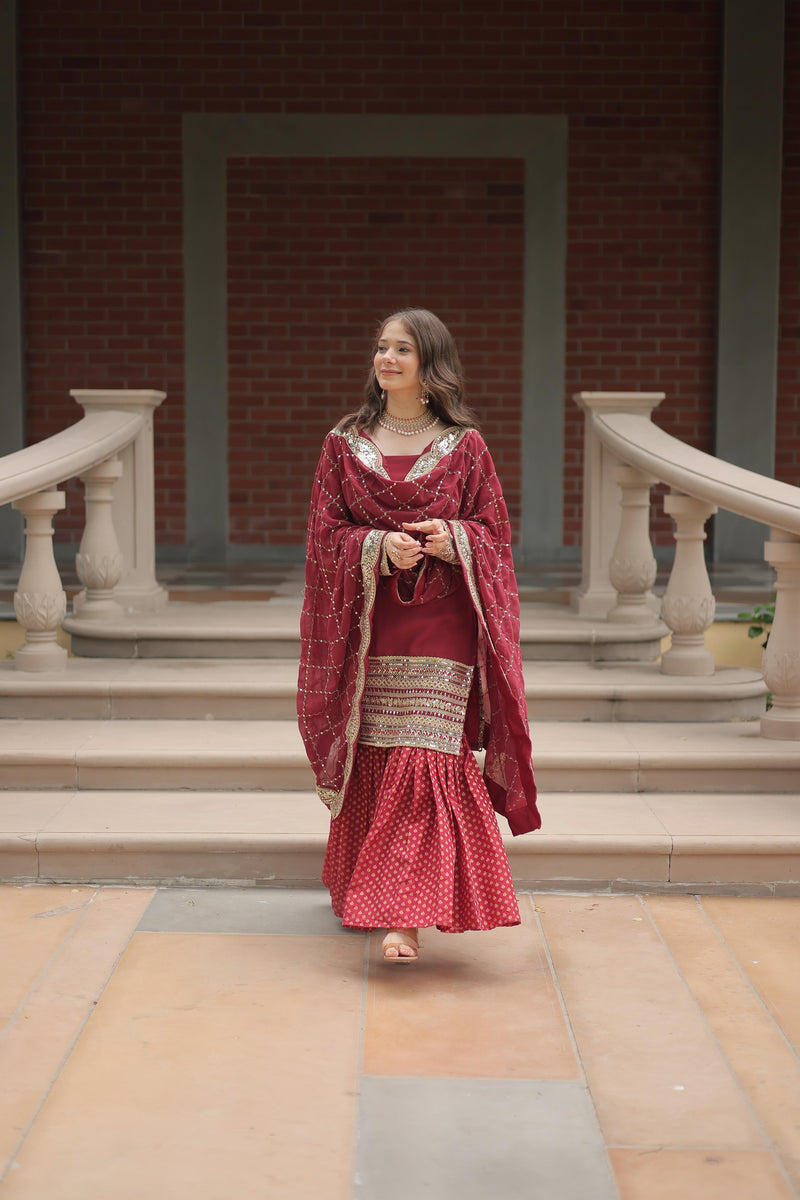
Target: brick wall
x,y
318,253
104,88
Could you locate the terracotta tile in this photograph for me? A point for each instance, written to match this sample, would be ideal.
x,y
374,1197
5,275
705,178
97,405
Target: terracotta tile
x,y
476,1004
766,1067
656,1073
213,1066
33,923
45,1027
764,934
658,1174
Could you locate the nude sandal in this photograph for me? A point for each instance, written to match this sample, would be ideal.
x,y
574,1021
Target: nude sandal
x,y
395,938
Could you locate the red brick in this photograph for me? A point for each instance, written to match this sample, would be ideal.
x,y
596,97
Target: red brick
x,y
103,199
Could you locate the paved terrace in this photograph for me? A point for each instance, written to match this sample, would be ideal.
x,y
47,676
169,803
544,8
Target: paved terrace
x,y
215,1044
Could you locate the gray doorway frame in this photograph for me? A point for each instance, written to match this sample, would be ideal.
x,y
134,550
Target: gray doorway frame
x,y
210,139
12,361
748,294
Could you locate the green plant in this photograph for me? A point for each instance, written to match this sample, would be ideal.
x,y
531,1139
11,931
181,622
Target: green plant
x,y
760,618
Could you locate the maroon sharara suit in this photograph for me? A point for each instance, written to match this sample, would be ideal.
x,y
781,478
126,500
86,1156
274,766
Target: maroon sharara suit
x,y
402,675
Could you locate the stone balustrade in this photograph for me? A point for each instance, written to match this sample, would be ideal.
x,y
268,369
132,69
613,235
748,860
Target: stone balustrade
x,y
111,451
624,454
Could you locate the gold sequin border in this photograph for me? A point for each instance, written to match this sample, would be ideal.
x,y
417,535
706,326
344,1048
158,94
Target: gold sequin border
x,y
464,551
370,456
370,554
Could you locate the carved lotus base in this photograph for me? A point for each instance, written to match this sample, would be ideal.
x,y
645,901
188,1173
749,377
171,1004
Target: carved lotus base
x,y
99,571
40,611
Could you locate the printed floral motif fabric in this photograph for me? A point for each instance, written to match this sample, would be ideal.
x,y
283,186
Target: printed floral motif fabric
x,y
417,844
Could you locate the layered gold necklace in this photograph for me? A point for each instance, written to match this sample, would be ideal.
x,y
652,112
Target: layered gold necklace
x,y
408,427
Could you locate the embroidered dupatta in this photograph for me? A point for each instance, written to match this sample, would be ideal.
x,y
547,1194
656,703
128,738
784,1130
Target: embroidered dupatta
x,y
354,504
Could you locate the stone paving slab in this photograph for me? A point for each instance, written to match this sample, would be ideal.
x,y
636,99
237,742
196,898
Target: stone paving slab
x,y
284,912
213,1043
473,1138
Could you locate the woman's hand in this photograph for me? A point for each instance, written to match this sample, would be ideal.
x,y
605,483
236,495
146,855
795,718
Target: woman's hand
x,y
438,539
402,550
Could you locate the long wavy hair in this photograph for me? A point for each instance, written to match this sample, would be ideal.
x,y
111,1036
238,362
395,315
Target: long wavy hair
x,y
440,373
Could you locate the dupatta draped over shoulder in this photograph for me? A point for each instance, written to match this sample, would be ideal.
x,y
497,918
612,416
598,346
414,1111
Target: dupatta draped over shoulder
x,y
354,504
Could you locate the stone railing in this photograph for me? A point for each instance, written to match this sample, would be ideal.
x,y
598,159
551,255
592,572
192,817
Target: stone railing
x,y
625,452
111,451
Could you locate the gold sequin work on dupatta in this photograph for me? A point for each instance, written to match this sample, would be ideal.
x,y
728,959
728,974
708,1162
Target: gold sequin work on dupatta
x,y
356,500
368,453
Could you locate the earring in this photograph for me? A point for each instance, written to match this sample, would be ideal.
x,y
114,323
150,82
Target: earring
x,y
424,397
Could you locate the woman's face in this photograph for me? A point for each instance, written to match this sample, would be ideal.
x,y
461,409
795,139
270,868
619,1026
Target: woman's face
x,y
396,358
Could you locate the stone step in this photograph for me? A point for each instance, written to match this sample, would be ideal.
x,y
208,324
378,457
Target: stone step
x,y
236,689
705,842
270,629
268,756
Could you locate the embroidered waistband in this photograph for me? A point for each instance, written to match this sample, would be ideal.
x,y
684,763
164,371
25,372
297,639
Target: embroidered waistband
x,y
411,701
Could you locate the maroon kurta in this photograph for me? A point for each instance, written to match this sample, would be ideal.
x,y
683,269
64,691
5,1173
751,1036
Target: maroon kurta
x,y
417,843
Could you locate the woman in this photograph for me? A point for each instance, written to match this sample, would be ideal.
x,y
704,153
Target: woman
x,y
410,653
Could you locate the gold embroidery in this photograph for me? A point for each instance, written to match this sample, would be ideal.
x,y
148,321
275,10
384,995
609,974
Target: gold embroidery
x,y
386,566
415,701
368,453
370,553
365,451
441,445
464,551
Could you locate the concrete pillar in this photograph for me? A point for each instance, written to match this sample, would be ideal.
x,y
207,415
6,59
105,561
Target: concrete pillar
x,y
12,391
749,255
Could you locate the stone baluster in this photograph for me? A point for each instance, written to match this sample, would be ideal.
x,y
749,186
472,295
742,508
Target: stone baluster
x,y
596,597
99,562
134,499
781,662
632,569
40,602
688,605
